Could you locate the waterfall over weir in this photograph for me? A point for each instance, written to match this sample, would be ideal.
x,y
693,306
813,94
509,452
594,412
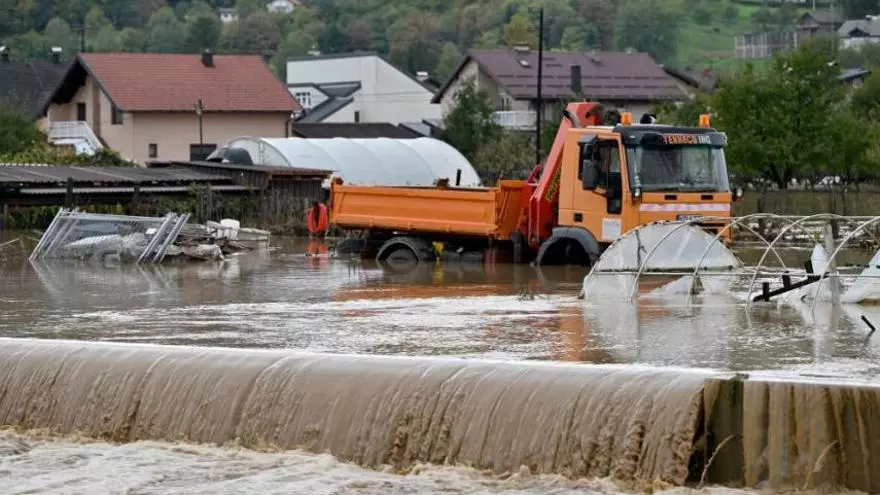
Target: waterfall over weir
x,y
579,421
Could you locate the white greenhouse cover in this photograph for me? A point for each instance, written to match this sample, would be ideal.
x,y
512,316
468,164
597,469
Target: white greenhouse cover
x,y
366,161
681,250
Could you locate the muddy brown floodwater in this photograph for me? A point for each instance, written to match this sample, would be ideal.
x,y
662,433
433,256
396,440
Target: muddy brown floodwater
x,y
285,300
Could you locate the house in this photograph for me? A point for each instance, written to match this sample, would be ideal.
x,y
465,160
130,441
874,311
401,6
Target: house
x,y
818,23
361,130
282,6
628,81
359,87
227,15
145,105
858,32
690,81
25,85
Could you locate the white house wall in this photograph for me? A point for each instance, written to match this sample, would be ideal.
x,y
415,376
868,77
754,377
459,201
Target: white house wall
x,y
386,95
344,115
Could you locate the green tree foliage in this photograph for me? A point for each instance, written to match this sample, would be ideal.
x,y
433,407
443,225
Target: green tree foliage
x,y
203,32
469,124
165,33
449,60
521,30
788,122
647,26
509,156
17,133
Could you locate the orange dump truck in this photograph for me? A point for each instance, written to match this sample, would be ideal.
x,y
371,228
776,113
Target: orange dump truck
x,y
599,182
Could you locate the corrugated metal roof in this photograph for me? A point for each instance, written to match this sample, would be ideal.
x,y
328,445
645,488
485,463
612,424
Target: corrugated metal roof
x,y
42,174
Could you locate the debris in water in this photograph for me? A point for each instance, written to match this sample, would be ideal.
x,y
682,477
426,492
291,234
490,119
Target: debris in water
x,y
130,239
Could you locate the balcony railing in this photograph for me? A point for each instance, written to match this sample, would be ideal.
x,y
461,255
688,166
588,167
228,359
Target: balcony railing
x,y
65,132
515,120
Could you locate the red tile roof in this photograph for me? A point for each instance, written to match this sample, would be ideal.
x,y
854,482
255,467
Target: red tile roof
x,y
163,82
613,76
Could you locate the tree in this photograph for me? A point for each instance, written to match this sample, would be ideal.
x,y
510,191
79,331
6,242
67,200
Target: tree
x,y
95,20
58,33
858,9
866,99
165,34
296,44
108,40
510,156
202,32
520,31
469,124
647,26
450,57
778,122
258,33
132,40
17,133
412,42
580,38
731,14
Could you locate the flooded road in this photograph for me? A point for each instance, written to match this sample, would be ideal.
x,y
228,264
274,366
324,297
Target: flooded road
x,y
284,299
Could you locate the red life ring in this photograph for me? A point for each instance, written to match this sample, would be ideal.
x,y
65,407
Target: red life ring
x,y
317,221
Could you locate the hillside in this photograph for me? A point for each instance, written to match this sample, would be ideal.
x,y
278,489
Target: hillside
x,y
426,35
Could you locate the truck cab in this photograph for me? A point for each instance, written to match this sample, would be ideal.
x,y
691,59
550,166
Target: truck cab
x,y
615,178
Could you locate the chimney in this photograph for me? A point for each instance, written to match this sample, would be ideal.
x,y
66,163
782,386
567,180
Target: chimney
x,y
208,58
267,57
314,52
4,53
56,54
576,80
421,76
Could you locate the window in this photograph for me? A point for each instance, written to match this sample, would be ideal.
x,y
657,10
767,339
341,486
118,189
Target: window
x,y
199,152
153,150
81,111
605,159
305,99
690,168
357,115
117,115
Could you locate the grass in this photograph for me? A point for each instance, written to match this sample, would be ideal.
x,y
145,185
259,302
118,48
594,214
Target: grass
x,y
712,42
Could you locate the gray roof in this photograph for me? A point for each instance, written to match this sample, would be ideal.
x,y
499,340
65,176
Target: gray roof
x,y
25,85
49,174
604,75
327,108
823,16
326,130
869,27
339,90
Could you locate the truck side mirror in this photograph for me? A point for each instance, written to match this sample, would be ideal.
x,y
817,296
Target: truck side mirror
x,y
589,172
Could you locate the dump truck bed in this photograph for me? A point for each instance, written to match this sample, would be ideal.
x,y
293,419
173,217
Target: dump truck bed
x,y
485,212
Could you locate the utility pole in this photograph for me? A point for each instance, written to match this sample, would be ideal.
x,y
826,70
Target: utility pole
x,y
200,109
540,103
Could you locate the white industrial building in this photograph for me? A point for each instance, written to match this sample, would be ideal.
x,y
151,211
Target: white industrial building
x,y
360,87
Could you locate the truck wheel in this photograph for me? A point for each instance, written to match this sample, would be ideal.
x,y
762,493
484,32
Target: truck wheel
x,y
404,253
563,251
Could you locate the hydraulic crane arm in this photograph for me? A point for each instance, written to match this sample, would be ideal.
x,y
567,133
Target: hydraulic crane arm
x,y
540,210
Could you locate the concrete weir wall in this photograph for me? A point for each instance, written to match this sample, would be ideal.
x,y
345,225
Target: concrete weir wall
x,y
626,422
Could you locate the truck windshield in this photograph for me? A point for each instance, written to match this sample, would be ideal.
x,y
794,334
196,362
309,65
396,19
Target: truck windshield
x,y
698,168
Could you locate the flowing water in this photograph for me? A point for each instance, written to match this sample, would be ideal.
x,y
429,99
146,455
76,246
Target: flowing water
x,y
620,421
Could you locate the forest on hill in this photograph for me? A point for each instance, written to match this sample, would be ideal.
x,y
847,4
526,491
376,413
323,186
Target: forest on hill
x,y
428,35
